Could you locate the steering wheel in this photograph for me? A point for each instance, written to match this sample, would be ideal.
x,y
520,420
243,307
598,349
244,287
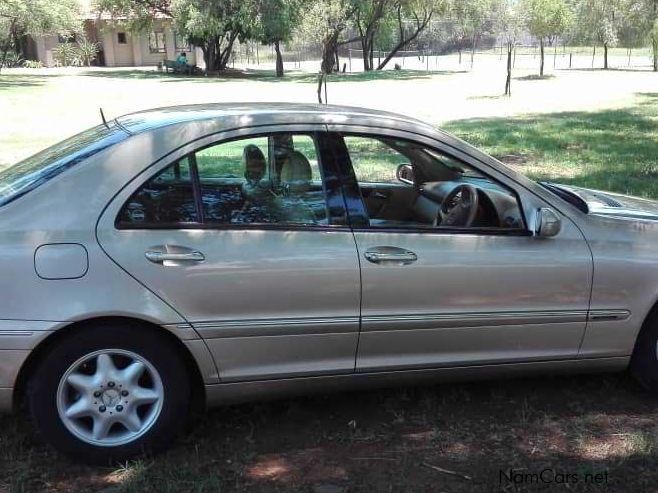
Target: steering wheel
x,y
459,207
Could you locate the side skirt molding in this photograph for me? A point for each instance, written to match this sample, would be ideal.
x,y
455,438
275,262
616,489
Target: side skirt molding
x,y
234,393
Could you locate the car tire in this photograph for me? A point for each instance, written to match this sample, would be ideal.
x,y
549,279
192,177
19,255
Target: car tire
x,y
644,363
110,392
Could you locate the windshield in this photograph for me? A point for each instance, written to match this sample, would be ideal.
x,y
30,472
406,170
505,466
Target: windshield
x,y
26,175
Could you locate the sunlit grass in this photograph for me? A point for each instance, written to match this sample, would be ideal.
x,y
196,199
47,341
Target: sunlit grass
x,y
613,150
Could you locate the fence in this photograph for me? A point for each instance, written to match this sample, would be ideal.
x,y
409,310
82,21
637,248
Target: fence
x,y
525,57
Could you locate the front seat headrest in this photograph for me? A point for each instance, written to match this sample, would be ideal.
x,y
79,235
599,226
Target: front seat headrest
x,y
296,168
254,163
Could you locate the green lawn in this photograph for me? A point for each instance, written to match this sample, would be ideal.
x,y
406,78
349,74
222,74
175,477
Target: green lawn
x,y
614,150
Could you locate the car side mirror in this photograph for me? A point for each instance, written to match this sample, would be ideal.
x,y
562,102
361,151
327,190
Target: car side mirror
x,y
405,174
547,223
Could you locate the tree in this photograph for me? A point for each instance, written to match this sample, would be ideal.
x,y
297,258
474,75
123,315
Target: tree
x,y
546,19
471,21
644,14
277,21
598,22
419,13
19,18
368,16
215,25
509,26
325,22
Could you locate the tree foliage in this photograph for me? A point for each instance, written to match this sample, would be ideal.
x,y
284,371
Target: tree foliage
x,y
644,15
215,25
417,14
19,18
546,20
472,21
277,21
598,22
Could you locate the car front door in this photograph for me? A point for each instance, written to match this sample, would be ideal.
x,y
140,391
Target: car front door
x,y
247,238
435,296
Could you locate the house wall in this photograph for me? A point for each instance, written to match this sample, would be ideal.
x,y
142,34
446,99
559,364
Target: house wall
x,y
134,53
44,49
137,51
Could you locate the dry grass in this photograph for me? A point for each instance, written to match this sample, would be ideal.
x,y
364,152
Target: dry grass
x,y
425,439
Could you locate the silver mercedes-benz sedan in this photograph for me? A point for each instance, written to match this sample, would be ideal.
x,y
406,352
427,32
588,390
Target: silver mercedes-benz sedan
x,y
219,253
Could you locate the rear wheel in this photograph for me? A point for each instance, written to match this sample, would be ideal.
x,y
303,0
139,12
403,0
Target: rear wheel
x,y
110,392
644,364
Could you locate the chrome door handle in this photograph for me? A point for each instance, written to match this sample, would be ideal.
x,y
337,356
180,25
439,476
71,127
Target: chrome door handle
x,y
390,255
160,257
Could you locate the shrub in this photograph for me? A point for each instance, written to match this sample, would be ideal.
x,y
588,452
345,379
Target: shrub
x,y
11,59
87,51
32,64
66,55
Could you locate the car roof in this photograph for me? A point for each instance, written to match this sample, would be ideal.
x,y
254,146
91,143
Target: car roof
x,y
260,114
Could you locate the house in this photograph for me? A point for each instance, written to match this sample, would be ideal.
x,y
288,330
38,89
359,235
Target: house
x,y
118,46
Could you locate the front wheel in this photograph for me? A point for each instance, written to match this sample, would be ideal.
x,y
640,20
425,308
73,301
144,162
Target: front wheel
x,y
110,392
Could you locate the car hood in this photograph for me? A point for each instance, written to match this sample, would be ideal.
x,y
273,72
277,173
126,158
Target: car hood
x,y
614,204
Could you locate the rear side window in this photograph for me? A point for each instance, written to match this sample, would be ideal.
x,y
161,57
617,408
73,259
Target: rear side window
x,y
273,180
26,175
167,198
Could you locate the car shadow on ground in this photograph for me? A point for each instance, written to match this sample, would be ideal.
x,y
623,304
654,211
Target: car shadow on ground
x,y
452,437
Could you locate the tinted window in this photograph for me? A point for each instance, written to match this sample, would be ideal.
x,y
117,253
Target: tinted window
x,y
264,180
166,199
436,190
33,171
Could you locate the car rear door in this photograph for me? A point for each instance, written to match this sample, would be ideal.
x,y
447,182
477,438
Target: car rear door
x,y
265,271
434,297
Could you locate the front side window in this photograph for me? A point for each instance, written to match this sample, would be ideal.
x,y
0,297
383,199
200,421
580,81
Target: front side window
x,y
269,180
406,185
157,42
122,38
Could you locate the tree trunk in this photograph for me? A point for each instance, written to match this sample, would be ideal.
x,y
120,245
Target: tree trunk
x,y
279,59
365,52
460,55
321,77
605,56
226,52
473,51
8,43
508,82
541,57
655,54
404,42
372,54
593,56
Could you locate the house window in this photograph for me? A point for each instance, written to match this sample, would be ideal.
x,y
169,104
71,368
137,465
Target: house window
x,y
181,43
122,39
157,42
